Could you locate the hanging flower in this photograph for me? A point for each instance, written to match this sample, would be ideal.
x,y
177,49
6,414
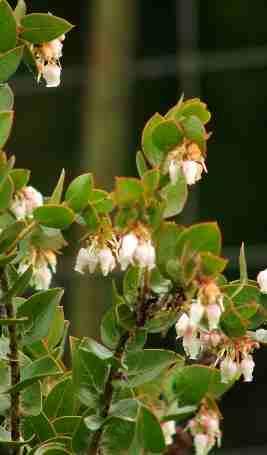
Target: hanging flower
x,y
43,263
145,255
205,430
48,61
25,201
192,171
229,370
262,281
246,368
128,246
174,168
106,260
169,429
52,74
188,331
213,313
96,254
137,248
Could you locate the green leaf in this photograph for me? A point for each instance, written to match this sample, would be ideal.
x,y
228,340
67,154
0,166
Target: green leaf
x,y
158,283
40,309
6,120
94,422
9,235
5,440
166,239
243,265
48,238
101,201
131,284
154,155
126,216
137,340
78,192
54,216
61,400
9,62
179,414
141,163
56,196
110,330
161,321
57,329
39,28
149,431
36,370
143,366
174,196
29,59
81,437
31,400
167,135
21,284
6,98
6,192
20,177
39,426
91,218
151,181
50,448
212,265
96,348
192,383
195,131
117,436
8,27
128,191
188,108
202,237
125,316
20,10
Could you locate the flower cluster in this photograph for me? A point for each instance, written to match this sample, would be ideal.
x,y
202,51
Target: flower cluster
x,y
25,201
204,313
130,249
189,159
44,264
48,61
205,430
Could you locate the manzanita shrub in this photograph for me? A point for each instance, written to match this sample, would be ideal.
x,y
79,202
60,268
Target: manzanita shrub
x,y
119,397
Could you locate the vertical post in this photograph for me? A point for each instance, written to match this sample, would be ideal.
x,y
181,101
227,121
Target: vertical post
x,y
189,80
106,121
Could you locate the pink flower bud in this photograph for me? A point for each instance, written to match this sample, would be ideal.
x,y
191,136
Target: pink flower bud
x,y
262,281
192,171
213,312
51,74
228,369
246,368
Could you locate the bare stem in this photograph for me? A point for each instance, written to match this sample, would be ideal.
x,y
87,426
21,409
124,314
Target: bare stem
x,y
15,377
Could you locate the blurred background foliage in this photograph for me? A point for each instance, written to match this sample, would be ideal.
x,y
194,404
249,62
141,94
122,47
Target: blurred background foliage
x,y
124,61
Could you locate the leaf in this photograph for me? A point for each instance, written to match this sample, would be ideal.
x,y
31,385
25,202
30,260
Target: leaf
x,y
6,98
154,155
9,62
50,448
174,196
48,238
56,196
212,265
6,192
78,192
192,383
97,349
38,369
39,28
8,27
110,330
149,431
94,422
131,284
56,330
167,135
20,10
40,309
5,440
31,400
91,218
101,201
21,284
20,177
10,234
6,120
151,180
125,316
188,108
141,163
29,59
61,400
161,321
128,191
143,366
124,409
195,131
117,436
243,265
202,237
39,426
54,216
166,240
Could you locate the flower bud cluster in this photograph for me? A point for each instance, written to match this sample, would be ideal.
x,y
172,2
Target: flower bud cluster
x,y
44,264
203,317
48,61
25,201
236,359
205,430
130,249
189,159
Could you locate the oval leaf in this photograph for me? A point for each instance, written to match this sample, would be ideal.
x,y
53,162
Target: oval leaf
x,y
8,27
54,216
6,120
9,63
78,192
39,28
